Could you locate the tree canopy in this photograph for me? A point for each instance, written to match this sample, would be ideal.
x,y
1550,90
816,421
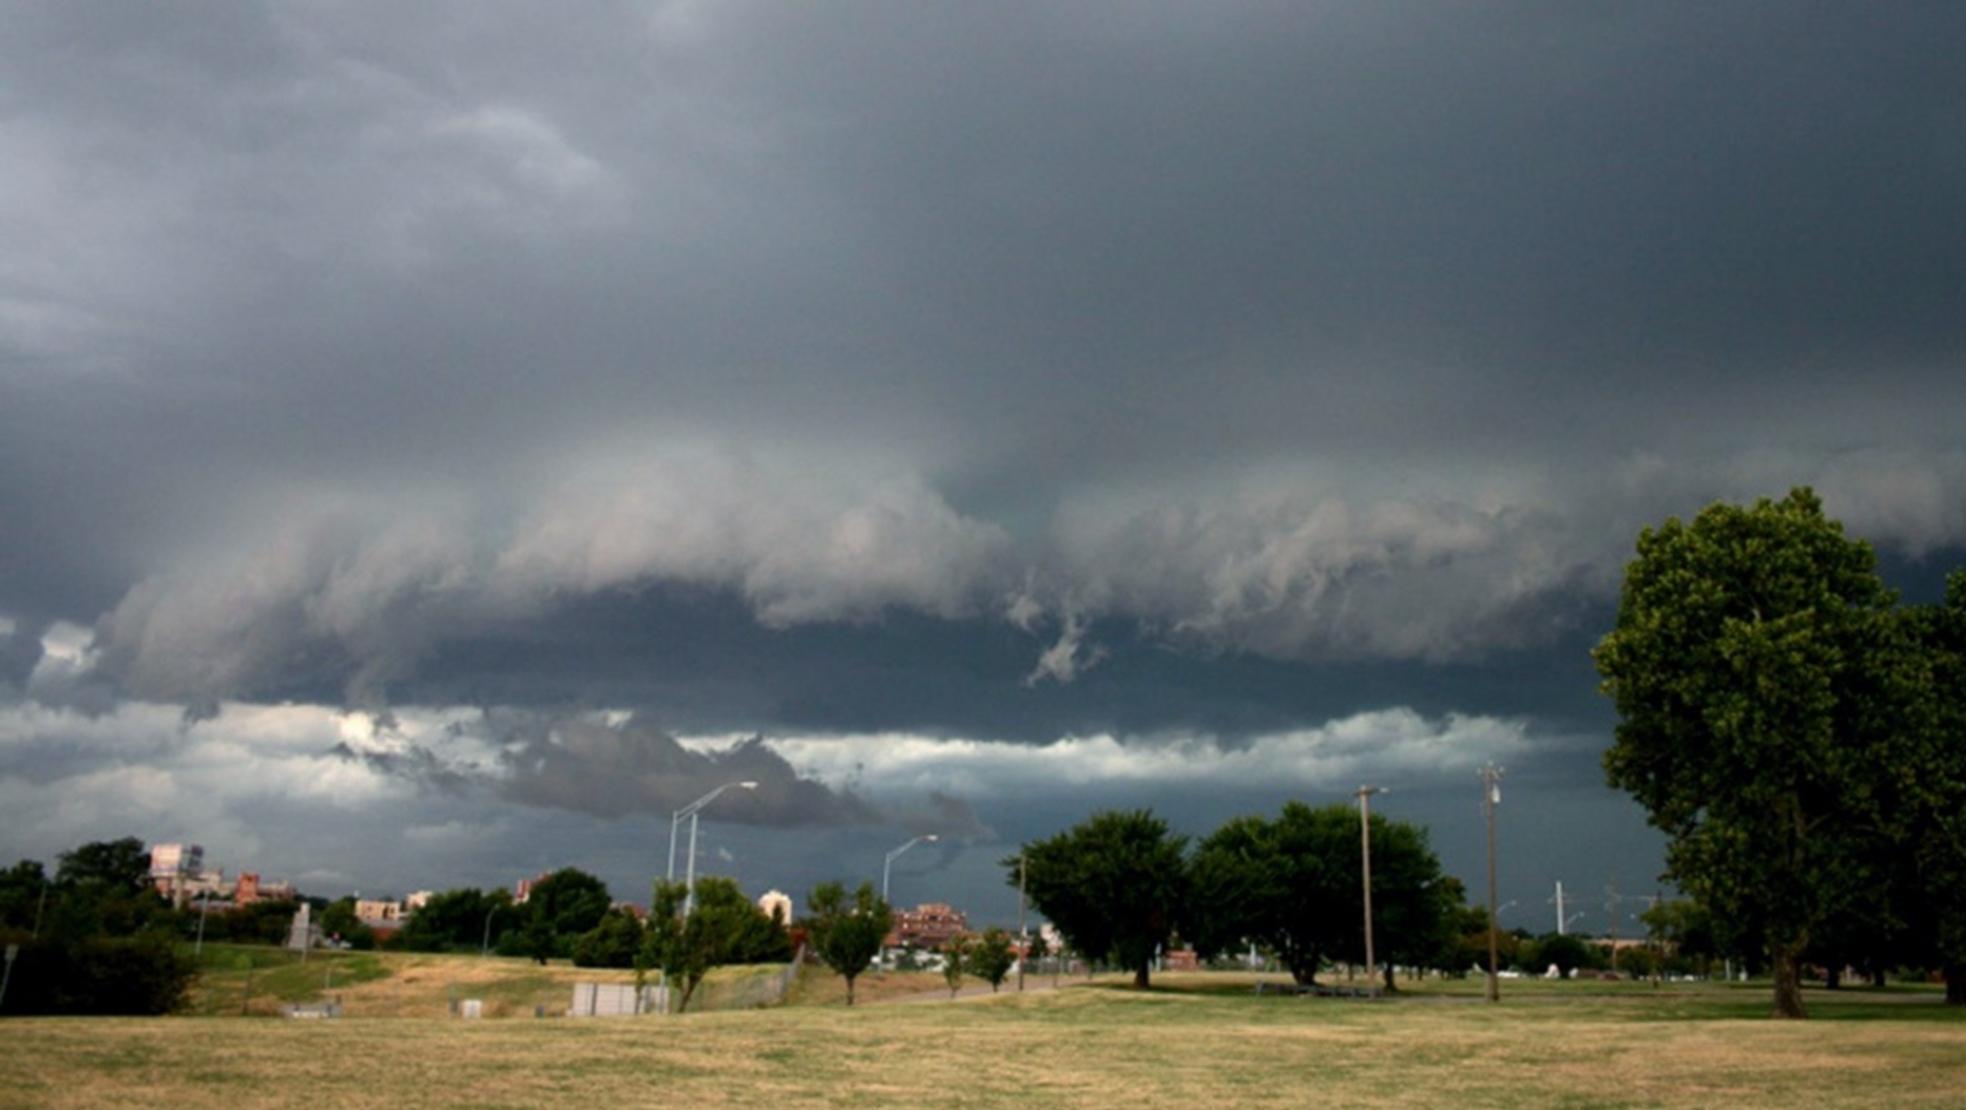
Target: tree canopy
x,y
1933,859
461,920
847,932
1764,689
1294,885
1114,885
119,864
613,942
992,957
723,927
557,910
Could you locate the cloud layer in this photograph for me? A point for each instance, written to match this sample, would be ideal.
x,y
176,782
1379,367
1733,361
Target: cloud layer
x,y
958,376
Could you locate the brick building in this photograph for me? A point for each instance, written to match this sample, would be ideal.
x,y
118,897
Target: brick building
x,y
929,925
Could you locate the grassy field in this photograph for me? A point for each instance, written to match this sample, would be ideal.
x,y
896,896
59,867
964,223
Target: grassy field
x,y
1197,1040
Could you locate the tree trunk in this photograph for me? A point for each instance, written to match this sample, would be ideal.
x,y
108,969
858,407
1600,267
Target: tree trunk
x,y
1390,987
1303,968
1788,983
1877,977
1140,976
1833,979
849,990
1955,984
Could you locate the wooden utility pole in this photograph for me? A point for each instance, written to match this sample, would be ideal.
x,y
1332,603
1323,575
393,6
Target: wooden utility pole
x,y
1611,900
1365,860
1491,796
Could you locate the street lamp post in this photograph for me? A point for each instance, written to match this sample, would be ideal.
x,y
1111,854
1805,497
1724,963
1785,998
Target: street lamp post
x,y
690,811
204,907
888,863
1365,856
484,945
1491,796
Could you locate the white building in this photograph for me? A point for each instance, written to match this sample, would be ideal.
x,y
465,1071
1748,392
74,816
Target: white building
x,y
172,864
772,900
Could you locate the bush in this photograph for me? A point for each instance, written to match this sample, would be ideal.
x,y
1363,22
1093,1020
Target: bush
x,y
146,974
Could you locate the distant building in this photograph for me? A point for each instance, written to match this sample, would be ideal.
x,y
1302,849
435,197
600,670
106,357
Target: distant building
x,y
929,925
522,889
250,888
204,884
772,900
417,899
371,911
172,864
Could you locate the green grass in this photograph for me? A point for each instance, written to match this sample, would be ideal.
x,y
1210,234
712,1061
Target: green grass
x,y
1195,1040
227,971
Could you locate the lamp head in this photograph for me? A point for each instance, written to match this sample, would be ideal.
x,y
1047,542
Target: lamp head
x,y
931,838
748,785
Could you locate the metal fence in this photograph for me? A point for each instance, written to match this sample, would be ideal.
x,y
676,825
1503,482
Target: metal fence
x,y
759,988
748,992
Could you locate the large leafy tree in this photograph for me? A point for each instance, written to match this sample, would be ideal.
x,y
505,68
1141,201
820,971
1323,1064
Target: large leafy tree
x,y
1760,688
1688,930
612,943
1114,885
113,864
23,890
558,909
1934,853
1415,908
339,921
1294,885
462,920
723,927
103,889
847,932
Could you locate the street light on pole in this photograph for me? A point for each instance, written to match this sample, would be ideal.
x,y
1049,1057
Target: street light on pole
x,y
1365,857
1491,796
888,863
690,811
204,907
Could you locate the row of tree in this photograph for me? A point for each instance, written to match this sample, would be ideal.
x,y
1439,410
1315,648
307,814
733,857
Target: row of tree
x,y
92,938
1121,887
1800,737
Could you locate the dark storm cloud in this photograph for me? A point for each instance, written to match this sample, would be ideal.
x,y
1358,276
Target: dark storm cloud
x,y
1004,371
607,771
1111,282
19,652
603,768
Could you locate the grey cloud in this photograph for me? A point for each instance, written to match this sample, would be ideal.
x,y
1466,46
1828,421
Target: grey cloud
x,y
362,597
337,341
19,653
1295,577
418,765
611,771
946,817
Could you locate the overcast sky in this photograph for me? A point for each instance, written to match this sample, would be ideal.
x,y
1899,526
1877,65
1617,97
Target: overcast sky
x,y
436,441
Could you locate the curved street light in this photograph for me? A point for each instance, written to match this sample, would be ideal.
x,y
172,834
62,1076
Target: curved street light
x,y
690,811
888,863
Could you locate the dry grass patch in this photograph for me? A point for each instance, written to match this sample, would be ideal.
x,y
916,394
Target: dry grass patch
x,y
1081,1046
